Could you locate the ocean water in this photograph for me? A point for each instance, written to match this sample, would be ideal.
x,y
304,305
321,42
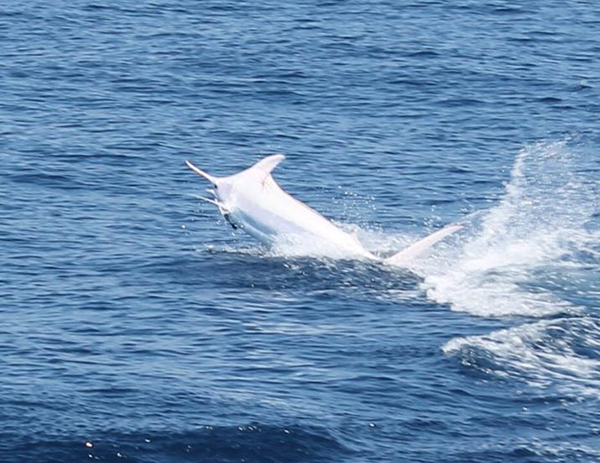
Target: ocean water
x,y
136,325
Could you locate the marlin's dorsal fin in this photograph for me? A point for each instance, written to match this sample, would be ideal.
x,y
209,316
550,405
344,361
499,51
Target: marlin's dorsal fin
x,y
267,164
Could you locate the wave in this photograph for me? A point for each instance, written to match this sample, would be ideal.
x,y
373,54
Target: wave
x,y
250,442
563,352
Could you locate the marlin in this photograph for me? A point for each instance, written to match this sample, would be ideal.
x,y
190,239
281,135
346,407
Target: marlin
x,y
252,201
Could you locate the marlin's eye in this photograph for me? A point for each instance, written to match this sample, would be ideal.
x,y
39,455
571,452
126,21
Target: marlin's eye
x,y
216,187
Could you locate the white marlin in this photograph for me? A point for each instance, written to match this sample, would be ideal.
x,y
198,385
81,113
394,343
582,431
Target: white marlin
x,y
252,201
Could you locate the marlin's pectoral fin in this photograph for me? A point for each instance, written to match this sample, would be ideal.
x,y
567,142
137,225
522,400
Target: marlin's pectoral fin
x,y
222,209
221,206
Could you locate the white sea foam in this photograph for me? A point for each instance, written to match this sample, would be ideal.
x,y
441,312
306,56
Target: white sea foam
x,y
301,245
544,353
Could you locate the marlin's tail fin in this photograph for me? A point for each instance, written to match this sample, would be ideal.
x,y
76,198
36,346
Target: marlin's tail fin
x,y
415,250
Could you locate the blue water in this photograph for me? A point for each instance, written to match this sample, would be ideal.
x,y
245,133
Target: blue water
x,y
135,325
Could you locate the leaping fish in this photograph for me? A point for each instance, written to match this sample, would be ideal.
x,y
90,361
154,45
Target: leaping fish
x,y
252,201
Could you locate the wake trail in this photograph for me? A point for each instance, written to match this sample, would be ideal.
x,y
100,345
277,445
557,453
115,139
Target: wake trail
x,y
535,255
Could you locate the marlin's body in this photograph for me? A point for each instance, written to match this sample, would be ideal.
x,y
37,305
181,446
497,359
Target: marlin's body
x,y
252,201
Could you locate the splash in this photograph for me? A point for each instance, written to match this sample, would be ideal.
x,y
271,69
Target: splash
x,y
541,223
536,255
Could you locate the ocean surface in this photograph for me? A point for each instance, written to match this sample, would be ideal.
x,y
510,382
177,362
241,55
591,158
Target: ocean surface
x,y
136,325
